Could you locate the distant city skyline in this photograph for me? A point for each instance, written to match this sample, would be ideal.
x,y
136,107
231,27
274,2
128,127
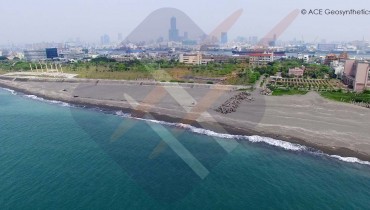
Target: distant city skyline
x,y
44,21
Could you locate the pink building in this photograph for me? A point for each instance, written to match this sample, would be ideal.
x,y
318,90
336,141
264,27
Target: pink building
x,y
297,72
356,75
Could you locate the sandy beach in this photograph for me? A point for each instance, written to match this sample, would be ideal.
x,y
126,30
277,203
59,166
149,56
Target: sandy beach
x,y
332,127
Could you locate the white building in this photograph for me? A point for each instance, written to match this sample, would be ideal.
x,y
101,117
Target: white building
x,y
338,68
191,59
260,59
305,58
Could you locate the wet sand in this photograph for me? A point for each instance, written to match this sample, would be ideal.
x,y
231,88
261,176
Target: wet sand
x,y
332,127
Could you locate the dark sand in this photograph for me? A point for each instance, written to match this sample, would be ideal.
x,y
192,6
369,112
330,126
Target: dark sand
x,y
310,120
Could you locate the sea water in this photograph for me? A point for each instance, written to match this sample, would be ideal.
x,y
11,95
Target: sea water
x,y
57,156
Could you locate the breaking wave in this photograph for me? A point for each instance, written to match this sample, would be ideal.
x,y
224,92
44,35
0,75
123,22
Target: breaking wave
x,y
60,103
350,159
254,139
11,91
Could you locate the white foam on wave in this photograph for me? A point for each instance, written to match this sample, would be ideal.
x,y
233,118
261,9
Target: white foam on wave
x,y
11,91
122,114
254,139
60,103
278,143
350,160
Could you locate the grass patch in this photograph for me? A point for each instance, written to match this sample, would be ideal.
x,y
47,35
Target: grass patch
x,y
177,81
101,72
347,96
281,92
106,68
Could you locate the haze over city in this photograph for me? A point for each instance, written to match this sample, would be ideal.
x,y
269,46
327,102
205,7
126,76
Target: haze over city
x,y
198,104
46,21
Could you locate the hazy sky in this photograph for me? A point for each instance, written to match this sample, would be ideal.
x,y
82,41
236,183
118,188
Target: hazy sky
x,y
26,21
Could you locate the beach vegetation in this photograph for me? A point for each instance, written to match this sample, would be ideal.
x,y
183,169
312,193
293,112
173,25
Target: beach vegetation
x,y
288,91
177,81
229,72
17,65
348,97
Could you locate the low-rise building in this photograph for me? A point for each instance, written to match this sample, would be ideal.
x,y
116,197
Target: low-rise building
x,y
73,54
338,67
276,77
222,59
191,59
207,59
343,56
296,72
356,75
305,58
330,58
197,59
35,55
260,59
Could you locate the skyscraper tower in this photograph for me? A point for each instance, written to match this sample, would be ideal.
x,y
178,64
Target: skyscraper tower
x,y
105,39
173,23
120,37
173,32
224,38
272,42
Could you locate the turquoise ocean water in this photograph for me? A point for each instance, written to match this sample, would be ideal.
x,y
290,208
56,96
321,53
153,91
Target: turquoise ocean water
x,y
54,156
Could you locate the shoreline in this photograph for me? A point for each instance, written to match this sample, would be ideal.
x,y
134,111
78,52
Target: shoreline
x,y
167,117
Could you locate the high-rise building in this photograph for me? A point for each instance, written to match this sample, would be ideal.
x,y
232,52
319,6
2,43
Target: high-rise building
x,y
105,39
224,38
253,40
186,36
173,32
120,37
356,75
272,42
